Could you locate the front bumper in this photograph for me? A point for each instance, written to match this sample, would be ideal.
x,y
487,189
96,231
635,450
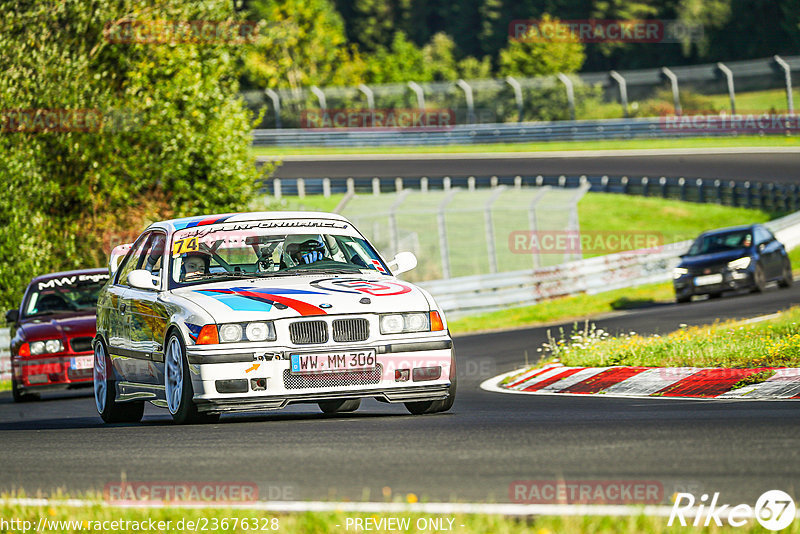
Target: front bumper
x,y
261,378
50,372
687,285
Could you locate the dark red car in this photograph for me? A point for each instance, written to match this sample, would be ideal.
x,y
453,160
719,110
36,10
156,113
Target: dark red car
x,y
54,326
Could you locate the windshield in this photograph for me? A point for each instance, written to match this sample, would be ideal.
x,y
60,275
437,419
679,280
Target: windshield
x,y
64,294
249,250
709,244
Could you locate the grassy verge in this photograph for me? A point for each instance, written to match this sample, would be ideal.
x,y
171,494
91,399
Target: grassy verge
x,y
95,517
5,385
772,343
545,146
565,308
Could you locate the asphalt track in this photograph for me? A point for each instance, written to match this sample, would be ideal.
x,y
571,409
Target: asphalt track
x,y
783,167
473,453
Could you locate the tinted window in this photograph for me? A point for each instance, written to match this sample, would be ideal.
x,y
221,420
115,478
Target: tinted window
x,y
709,244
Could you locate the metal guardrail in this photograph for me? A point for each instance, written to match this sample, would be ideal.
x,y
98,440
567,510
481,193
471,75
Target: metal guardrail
x,y
483,293
637,128
5,354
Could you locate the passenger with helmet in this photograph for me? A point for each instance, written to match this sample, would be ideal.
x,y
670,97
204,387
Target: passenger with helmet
x,y
302,249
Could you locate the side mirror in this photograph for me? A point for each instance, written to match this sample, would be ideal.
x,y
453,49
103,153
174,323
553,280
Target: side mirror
x,y
761,247
403,262
12,316
117,254
142,279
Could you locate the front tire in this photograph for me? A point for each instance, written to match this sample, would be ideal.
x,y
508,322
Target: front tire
x,y
340,406
759,280
105,389
178,385
20,395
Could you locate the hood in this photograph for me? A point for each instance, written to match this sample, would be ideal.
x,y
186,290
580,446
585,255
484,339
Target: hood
x,y
298,296
58,326
715,258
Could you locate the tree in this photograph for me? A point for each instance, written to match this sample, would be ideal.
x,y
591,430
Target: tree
x,y
112,129
539,54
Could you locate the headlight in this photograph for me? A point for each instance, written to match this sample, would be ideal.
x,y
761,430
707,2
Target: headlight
x,y
256,331
260,331
230,333
48,346
677,272
396,323
741,263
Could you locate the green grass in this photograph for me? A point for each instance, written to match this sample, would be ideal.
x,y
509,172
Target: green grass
x,y
565,308
652,144
771,100
336,522
730,344
5,385
754,379
308,203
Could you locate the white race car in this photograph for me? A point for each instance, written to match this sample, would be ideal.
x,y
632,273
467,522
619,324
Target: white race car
x,y
255,311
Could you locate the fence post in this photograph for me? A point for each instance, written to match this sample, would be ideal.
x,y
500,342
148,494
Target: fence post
x,y
700,193
734,194
664,188
398,184
414,86
537,254
510,80
471,183
570,93
748,195
323,104
276,105
623,91
493,181
729,77
682,185
717,186
470,104
645,186
562,181
326,187
604,183
539,180
369,94
624,183
276,191
518,182
394,232
351,186
787,73
673,80
487,217
376,186
423,184
446,183
442,226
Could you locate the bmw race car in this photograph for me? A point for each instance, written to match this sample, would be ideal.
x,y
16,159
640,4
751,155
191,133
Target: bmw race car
x,y
54,328
255,311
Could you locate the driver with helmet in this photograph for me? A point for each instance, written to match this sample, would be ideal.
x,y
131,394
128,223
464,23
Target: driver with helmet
x,y
196,263
302,249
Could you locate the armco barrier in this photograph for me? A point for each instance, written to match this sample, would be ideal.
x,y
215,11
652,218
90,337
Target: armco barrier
x,y
483,293
652,128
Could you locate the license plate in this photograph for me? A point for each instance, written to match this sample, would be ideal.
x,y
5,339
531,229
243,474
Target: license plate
x,y
81,362
333,362
708,280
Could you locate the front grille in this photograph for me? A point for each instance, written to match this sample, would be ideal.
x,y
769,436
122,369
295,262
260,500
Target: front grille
x,y
307,332
81,344
712,269
345,330
332,380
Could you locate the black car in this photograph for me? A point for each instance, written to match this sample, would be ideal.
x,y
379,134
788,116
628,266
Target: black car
x,y
743,257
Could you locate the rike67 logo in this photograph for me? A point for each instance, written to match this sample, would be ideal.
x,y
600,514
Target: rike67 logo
x,y
774,510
